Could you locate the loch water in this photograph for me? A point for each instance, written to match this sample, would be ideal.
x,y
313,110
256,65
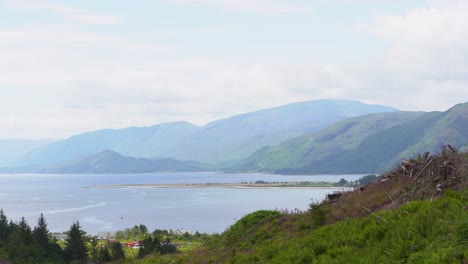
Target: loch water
x,y
63,200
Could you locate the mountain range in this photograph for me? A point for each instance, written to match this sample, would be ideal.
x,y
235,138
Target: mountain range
x,y
229,139
316,137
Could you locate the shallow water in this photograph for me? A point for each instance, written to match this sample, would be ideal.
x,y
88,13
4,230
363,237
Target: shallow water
x,y
62,200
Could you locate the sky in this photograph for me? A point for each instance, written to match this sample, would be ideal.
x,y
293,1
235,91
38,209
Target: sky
x,y
72,66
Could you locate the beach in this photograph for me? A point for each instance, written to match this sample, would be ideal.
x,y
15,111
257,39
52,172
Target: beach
x,y
285,185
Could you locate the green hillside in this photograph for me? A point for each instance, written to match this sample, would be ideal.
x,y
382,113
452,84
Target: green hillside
x,y
333,140
371,143
413,215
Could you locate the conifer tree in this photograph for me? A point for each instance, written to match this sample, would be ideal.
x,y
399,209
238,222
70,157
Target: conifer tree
x,y
104,255
41,235
4,228
20,242
24,231
75,248
116,251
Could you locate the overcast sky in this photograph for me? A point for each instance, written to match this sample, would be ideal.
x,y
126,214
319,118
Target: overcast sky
x,y
78,65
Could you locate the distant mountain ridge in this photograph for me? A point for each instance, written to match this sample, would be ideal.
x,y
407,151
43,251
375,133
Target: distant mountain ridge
x,y
109,161
372,143
13,149
223,140
132,141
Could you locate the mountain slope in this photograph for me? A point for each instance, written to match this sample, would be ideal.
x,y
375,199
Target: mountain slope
x,y
333,140
223,140
108,161
371,143
135,141
239,136
13,149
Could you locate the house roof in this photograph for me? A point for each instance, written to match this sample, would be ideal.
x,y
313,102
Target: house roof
x,y
107,234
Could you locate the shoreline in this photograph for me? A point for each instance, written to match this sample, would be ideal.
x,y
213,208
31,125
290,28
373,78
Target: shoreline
x,y
287,185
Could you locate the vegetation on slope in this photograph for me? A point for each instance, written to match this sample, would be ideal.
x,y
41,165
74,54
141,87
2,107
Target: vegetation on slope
x,y
328,142
372,143
416,213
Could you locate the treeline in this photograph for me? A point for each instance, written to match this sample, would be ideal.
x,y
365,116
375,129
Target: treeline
x,y
21,244
363,181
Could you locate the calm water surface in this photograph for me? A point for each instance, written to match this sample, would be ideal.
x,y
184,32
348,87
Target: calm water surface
x,y
63,200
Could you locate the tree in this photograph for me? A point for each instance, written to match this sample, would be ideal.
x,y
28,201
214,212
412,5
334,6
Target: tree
x,y
94,251
104,255
366,179
4,228
143,229
342,182
24,231
147,247
20,244
41,235
75,245
116,251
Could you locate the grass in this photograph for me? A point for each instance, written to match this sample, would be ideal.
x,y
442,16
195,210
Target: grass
x,y
400,218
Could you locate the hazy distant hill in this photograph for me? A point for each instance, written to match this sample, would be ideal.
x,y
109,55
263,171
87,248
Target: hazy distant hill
x,y
370,143
13,149
223,140
108,161
239,136
133,141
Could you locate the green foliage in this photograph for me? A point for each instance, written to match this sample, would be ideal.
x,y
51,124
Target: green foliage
x,y
363,181
116,250
134,233
75,248
342,182
21,245
248,224
4,228
104,255
418,232
319,213
41,234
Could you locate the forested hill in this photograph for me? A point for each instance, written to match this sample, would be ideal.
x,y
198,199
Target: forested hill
x,y
372,143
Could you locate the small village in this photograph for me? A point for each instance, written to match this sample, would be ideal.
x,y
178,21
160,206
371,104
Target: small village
x,y
134,238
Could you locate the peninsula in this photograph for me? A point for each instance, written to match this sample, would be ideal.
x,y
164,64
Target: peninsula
x,y
243,185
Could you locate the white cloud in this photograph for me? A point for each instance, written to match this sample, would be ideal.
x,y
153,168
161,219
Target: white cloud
x,y
61,80
71,13
259,6
426,59
58,80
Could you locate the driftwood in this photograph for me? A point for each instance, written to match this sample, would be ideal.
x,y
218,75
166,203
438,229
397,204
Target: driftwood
x,y
452,148
421,172
363,207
